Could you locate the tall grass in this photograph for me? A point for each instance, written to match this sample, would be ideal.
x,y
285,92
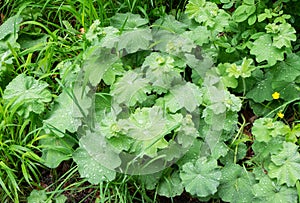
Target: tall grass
x,y
19,159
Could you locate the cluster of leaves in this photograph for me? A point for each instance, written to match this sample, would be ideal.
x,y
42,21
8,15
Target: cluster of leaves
x,y
163,102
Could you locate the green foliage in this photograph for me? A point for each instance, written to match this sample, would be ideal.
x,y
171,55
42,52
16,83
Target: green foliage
x,y
204,100
236,184
285,165
24,94
90,169
203,171
267,191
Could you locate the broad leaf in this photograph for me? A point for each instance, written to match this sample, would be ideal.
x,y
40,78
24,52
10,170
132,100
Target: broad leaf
x,y
188,96
193,153
25,94
56,149
130,89
170,186
135,40
101,151
287,70
127,21
187,132
285,166
208,14
37,196
288,90
262,90
267,191
199,35
243,12
264,50
236,184
160,70
244,70
99,64
264,129
168,22
285,36
149,123
201,178
193,8
63,116
263,151
91,169
10,26
150,181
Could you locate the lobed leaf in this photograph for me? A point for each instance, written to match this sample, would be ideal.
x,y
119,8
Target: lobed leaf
x,y
91,169
285,166
268,191
27,95
236,184
130,89
201,178
264,50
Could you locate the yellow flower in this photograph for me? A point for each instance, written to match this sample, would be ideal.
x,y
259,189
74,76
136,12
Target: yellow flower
x,y
280,114
276,95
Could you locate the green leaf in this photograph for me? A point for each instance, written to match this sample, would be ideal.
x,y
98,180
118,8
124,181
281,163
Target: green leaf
x,y
287,70
249,2
244,70
168,22
264,150
188,96
170,186
127,21
10,26
264,129
221,21
130,89
28,41
285,166
99,64
27,95
150,181
208,14
187,132
110,37
56,149
63,116
193,153
149,126
135,40
262,90
264,50
252,19
243,12
236,184
193,8
38,196
288,90
91,169
100,151
228,81
267,191
148,123
286,34
204,171
61,199
200,35
160,71
199,68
